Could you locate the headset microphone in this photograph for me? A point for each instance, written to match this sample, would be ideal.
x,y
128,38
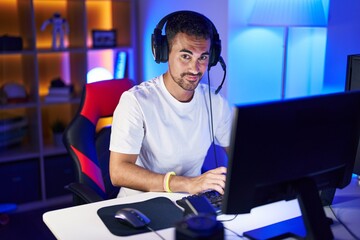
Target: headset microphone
x,y
223,66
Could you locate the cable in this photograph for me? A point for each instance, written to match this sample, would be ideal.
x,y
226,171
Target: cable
x,y
155,232
238,235
343,224
223,66
212,122
229,220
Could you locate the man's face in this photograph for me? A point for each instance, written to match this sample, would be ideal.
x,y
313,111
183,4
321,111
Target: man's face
x,y
188,60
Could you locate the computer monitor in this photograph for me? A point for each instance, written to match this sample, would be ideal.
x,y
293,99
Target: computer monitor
x,y
292,149
353,83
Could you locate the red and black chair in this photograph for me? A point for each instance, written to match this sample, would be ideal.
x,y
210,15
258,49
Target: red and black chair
x,y
88,147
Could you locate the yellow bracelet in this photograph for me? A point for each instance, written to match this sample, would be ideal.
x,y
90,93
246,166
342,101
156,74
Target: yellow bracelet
x,y
167,181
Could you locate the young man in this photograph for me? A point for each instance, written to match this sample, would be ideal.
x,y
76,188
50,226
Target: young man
x,y
162,128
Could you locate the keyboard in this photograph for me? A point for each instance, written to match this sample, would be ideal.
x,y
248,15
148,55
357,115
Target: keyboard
x,y
197,202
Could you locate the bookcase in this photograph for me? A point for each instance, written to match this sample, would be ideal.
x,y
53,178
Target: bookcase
x,y
33,169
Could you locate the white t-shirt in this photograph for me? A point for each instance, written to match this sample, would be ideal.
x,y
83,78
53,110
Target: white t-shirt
x,y
167,134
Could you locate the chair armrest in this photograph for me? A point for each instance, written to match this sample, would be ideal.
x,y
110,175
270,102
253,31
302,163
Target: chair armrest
x,y
83,192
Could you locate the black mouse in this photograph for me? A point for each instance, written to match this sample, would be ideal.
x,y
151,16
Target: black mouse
x,y
132,217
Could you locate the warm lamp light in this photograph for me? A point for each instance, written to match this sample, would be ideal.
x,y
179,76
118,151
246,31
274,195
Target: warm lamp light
x,y
98,74
288,13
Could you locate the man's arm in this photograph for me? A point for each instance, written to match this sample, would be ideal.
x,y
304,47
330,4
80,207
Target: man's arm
x,y
125,173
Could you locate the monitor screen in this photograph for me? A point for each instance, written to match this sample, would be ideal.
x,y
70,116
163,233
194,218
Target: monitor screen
x,y
353,83
277,147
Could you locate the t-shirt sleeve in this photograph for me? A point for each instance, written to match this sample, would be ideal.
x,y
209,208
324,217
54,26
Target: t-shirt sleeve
x,y
127,129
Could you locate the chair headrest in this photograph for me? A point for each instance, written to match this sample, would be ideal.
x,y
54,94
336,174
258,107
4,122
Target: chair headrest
x,y
101,98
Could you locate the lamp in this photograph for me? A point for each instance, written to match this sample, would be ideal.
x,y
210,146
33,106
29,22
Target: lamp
x,y
287,13
98,74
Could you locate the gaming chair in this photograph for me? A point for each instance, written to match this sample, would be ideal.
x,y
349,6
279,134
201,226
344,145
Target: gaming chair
x,y
88,148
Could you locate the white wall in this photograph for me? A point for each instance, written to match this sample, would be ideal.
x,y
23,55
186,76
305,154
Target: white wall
x,y
150,12
343,39
256,58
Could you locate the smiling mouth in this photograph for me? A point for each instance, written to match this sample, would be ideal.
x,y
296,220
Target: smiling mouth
x,y
191,77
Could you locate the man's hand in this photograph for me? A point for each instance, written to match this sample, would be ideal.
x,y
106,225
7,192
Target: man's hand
x,y
211,180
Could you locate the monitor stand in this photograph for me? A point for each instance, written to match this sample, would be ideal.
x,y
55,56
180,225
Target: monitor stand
x,y
312,225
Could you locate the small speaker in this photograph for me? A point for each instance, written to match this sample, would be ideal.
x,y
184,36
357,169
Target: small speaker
x,y
200,227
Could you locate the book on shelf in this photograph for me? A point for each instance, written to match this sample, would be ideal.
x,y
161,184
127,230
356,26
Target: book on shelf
x,y
10,142
10,124
12,129
13,134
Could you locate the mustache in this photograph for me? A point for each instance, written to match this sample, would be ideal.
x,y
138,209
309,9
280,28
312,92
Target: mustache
x,y
191,74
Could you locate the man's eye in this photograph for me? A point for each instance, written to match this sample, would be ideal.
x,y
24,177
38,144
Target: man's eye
x,y
185,57
204,58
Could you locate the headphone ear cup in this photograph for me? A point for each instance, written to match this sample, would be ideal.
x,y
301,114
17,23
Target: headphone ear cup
x,y
155,42
159,47
164,49
215,52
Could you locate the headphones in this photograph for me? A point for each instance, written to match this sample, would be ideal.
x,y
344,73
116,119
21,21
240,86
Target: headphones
x,y
160,46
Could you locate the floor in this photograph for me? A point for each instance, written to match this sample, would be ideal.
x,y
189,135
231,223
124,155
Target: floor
x,y
28,225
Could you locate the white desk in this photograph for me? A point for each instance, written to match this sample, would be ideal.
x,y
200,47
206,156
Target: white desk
x,y
82,222
346,206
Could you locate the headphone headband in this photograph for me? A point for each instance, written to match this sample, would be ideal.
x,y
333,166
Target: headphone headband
x,y
160,46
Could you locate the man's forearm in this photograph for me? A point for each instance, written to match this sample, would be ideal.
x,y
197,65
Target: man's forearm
x,y
135,177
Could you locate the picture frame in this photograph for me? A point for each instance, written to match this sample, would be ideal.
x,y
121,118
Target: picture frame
x,y
104,38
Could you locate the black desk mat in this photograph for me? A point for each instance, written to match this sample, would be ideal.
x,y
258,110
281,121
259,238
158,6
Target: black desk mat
x,y
162,212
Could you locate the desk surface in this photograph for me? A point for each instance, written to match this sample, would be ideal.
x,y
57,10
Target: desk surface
x,y
82,222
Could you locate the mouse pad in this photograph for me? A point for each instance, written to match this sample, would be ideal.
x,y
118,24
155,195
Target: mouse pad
x,y
162,212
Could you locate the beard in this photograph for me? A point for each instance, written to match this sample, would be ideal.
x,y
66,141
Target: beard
x,y
184,84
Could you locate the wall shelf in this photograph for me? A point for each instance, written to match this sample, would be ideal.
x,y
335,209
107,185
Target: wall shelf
x,y
31,160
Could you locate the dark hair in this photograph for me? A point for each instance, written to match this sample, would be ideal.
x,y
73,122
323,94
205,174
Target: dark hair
x,y
190,23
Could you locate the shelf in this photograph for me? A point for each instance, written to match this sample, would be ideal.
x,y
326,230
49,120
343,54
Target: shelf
x,y
52,150
10,106
17,52
34,65
20,153
75,100
65,50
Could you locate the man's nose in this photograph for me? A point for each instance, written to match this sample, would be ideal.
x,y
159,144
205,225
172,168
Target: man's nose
x,y
194,67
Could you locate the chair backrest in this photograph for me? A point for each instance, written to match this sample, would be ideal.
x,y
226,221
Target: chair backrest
x,y
89,149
